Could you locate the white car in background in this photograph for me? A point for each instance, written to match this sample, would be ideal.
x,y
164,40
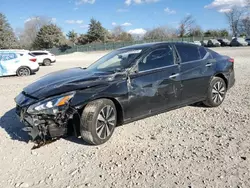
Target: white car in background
x,y
44,57
17,62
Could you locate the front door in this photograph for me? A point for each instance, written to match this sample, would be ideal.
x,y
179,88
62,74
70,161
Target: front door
x,y
156,85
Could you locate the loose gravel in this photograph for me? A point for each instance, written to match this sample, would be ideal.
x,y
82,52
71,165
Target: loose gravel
x,y
192,147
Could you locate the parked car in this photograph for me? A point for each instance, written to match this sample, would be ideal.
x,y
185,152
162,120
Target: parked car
x,y
125,85
213,43
17,62
248,41
198,43
224,42
238,42
204,43
44,57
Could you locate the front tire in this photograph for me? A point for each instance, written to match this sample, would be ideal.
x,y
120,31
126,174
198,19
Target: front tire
x,y
98,121
216,92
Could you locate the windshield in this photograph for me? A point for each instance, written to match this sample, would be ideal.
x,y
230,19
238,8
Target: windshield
x,y
117,60
241,39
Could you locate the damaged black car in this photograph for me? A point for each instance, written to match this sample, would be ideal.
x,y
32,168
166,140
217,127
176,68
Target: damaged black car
x,y
125,85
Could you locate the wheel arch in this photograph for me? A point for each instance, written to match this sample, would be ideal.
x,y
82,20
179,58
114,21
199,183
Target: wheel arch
x,y
221,75
46,59
119,108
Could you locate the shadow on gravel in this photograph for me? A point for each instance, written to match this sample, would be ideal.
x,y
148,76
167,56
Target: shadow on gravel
x,y
198,105
11,124
76,140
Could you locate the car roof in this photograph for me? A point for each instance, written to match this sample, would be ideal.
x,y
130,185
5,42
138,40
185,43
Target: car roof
x,y
42,51
14,50
154,44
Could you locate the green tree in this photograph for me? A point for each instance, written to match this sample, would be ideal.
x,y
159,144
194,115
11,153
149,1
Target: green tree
x,y
72,35
7,37
96,32
216,33
49,36
82,39
208,33
223,33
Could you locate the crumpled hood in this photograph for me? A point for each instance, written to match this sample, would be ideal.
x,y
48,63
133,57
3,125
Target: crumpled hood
x,y
64,81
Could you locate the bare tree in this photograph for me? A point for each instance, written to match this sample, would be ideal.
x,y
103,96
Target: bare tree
x,y
31,28
186,26
119,34
118,30
163,32
244,27
196,31
234,19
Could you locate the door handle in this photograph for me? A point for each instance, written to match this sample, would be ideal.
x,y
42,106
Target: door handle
x,y
209,64
174,75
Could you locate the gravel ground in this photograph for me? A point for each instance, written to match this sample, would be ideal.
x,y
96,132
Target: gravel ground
x,y
189,147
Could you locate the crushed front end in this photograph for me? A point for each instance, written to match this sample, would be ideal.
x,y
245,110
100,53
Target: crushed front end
x,y
45,119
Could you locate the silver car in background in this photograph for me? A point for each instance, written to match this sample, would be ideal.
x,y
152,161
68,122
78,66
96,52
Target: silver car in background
x,y
213,43
238,42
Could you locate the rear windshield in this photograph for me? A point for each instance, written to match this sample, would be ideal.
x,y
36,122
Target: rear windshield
x,y
31,54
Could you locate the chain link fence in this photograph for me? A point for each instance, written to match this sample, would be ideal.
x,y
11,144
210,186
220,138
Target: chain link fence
x,y
115,45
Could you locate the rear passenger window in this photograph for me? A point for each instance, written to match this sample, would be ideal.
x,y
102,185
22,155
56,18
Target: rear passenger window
x,y
158,58
8,56
203,52
214,54
188,52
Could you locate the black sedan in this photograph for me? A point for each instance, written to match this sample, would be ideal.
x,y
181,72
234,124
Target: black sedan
x,y
224,42
125,85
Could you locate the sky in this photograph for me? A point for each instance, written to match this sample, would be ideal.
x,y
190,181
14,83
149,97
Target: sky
x,y
135,16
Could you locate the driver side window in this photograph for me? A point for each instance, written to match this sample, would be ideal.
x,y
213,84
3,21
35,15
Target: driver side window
x,y
158,58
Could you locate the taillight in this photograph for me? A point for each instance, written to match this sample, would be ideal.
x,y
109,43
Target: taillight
x,y
231,60
33,59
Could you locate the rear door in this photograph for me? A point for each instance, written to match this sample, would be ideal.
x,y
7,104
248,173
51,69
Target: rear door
x,y
196,69
156,85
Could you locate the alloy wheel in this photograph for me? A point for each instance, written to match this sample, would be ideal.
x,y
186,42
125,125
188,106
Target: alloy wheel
x,y
23,72
218,91
105,122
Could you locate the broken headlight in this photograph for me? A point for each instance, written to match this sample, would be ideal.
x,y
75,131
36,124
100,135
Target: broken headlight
x,y
51,106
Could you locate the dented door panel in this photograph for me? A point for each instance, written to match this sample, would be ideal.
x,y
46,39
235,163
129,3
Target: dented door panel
x,y
154,90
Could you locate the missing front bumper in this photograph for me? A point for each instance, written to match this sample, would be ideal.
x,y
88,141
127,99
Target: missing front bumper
x,y
42,128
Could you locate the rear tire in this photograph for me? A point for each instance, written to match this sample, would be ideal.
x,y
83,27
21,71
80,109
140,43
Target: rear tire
x,y
46,62
23,71
216,92
98,121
